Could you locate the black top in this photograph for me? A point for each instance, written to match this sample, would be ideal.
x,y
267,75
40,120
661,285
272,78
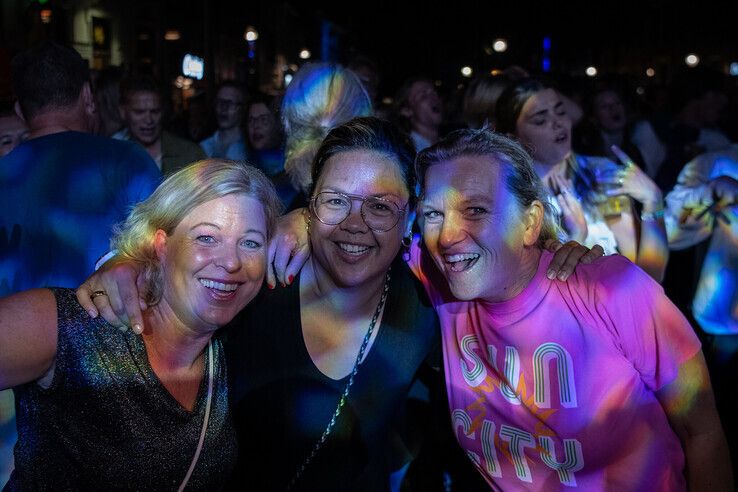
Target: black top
x,y
106,422
283,402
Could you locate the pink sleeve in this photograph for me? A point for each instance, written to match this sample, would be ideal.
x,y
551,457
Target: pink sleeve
x,y
648,328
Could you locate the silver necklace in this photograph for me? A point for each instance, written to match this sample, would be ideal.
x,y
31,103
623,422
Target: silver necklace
x,y
344,396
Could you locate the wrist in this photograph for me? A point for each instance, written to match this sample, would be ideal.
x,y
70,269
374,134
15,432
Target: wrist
x,y
653,206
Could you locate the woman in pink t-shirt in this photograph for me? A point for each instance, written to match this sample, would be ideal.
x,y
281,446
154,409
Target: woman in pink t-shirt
x,y
597,382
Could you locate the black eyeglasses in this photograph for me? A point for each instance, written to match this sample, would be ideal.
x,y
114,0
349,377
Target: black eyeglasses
x,y
379,214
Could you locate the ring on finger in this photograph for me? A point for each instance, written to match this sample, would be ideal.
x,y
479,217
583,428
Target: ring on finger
x,y
98,293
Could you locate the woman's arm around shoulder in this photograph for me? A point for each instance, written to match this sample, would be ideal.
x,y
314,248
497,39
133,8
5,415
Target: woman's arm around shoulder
x,y
28,336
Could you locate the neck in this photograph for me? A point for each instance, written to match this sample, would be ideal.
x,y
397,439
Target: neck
x,y
545,169
229,135
428,132
55,122
169,342
524,274
154,148
353,302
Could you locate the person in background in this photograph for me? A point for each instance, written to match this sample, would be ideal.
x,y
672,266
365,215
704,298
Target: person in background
x,y
320,97
63,189
265,136
227,142
13,130
141,109
101,409
592,195
478,105
597,382
419,111
605,124
702,211
107,100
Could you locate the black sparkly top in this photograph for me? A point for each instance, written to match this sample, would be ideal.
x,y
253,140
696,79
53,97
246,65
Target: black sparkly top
x,y
106,422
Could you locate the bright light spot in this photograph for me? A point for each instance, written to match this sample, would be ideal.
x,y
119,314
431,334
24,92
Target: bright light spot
x,y
591,71
287,79
45,16
500,45
640,91
305,54
460,86
733,70
172,35
692,60
250,34
650,72
438,83
193,66
387,101
466,71
495,72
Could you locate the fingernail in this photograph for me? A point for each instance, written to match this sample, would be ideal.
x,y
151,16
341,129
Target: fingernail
x,y
550,274
283,284
290,279
123,328
93,314
270,286
137,329
562,276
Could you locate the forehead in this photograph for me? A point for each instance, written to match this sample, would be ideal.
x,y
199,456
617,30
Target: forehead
x,y
258,109
363,172
144,99
466,176
236,208
229,93
420,87
540,101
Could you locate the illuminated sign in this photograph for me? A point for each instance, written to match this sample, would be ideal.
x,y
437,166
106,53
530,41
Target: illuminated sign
x,y
193,66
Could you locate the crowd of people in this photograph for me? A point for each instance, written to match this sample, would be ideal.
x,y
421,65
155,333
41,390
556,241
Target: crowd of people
x,y
413,322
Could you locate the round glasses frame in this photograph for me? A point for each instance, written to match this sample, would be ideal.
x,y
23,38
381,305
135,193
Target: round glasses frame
x,y
397,212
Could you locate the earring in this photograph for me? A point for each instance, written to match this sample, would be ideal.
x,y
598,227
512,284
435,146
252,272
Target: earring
x,y
308,219
407,241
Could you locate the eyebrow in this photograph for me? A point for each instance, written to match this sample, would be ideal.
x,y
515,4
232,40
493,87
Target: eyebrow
x,y
248,231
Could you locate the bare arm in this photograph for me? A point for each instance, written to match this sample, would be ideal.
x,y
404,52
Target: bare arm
x,y
28,336
690,406
120,305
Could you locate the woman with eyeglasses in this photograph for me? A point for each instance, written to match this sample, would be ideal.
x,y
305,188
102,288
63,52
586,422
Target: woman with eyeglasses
x,y
320,370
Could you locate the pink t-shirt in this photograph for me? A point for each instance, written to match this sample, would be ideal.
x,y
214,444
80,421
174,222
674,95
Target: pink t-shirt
x,y
555,387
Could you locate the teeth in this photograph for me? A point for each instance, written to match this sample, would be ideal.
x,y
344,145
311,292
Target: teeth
x,y
217,285
352,248
461,257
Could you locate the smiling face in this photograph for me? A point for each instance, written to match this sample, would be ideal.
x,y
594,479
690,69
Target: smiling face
x,y
215,260
544,127
142,113
350,252
474,229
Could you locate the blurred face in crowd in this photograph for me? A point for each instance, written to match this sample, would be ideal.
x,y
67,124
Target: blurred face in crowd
x,y
142,113
229,108
424,105
13,131
544,127
262,127
608,111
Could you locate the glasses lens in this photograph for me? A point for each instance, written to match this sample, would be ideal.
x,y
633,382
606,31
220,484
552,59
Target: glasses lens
x,y
332,208
380,215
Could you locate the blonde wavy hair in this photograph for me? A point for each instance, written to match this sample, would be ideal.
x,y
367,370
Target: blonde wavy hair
x,y
176,197
320,97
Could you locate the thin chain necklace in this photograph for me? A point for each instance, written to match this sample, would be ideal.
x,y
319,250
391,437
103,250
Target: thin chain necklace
x,y
344,396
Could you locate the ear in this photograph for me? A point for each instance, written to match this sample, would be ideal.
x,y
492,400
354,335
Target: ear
x,y
409,221
19,112
533,221
160,244
88,100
